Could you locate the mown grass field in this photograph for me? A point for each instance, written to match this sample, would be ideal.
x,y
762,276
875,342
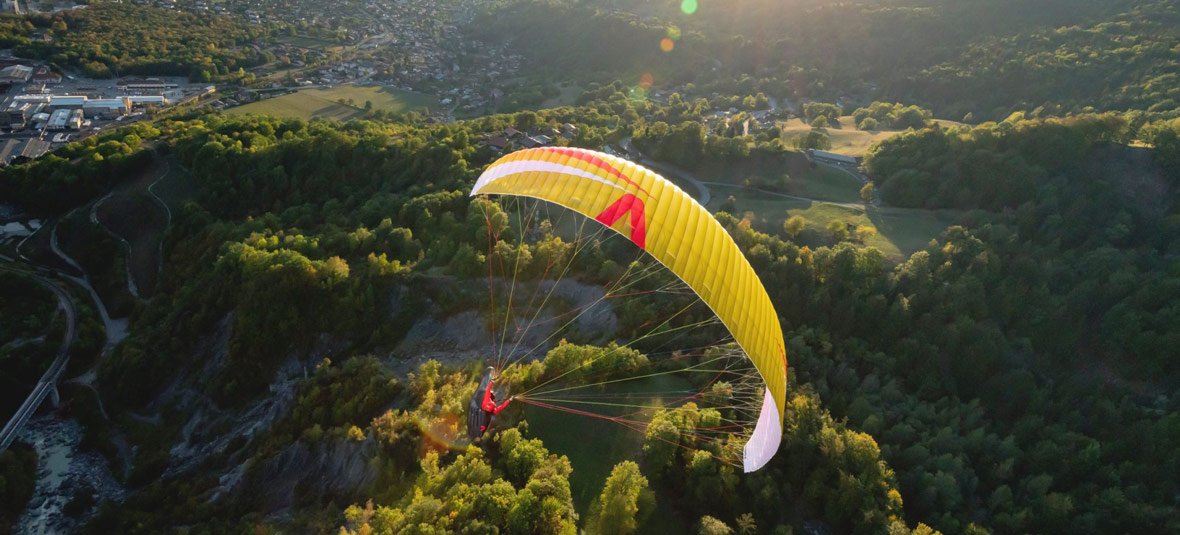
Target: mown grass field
x,y
898,232
594,446
312,43
846,139
325,103
818,182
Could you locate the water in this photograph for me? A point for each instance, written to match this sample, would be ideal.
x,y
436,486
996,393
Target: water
x,y
61,471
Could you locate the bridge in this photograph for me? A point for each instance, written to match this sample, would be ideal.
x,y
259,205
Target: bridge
x,y
47,385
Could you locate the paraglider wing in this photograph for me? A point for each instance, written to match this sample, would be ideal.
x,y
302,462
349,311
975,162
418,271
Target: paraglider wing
x,y
679,233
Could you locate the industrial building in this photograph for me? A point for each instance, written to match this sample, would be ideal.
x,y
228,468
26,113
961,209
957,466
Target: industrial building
x,y
65,119
145,86
15,74
12,149
106,108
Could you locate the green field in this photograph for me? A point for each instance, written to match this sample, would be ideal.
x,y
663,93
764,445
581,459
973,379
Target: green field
x,y
827,183
846,139
805,180
899,231
311,43
594,446
325,103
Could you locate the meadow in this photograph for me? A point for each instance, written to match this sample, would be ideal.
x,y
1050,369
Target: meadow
x,y
324,103
595,445
846,139
897,232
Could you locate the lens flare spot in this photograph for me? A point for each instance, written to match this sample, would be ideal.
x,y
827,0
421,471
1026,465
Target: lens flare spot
x,y
673,33
667,44
645,80
440,434
688,6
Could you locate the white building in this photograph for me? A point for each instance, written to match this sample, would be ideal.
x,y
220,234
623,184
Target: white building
x,y
64,119
67,102
147,100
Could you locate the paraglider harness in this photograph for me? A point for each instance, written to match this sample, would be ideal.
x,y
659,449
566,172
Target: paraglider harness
x,y
483,405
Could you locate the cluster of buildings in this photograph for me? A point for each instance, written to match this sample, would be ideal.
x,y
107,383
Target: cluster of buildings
x,y
511,139
352,18
430,54
414,45
344,72
40,108
14,73
417,45
69,112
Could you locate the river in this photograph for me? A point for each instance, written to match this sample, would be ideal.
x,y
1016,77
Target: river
x,y
63,473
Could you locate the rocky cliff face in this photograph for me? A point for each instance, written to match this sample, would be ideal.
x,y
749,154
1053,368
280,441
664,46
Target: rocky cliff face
x,y
306,473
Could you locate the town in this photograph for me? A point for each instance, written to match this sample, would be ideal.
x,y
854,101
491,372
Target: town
x,y
42,109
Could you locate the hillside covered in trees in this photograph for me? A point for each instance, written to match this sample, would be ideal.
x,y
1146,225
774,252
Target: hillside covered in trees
x,y
114,39
987,58
946,391
304,362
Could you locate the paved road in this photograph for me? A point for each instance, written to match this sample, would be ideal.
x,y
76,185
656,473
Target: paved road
x,y
48,381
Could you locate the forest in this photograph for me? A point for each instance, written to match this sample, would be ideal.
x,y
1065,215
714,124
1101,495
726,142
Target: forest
x,y
114,39
987,58
944,391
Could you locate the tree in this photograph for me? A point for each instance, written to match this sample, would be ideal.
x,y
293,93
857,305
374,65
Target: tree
x,y
820,122
730,204
760,101
866,193
814,110
868,123
711,526
526,120
814,139
838,230
794,225
623,496
746,524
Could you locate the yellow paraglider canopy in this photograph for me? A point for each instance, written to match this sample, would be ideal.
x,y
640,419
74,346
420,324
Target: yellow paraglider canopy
x,y
679,233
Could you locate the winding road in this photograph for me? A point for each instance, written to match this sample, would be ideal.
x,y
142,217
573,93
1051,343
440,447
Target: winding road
x,y
48,383
115,331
